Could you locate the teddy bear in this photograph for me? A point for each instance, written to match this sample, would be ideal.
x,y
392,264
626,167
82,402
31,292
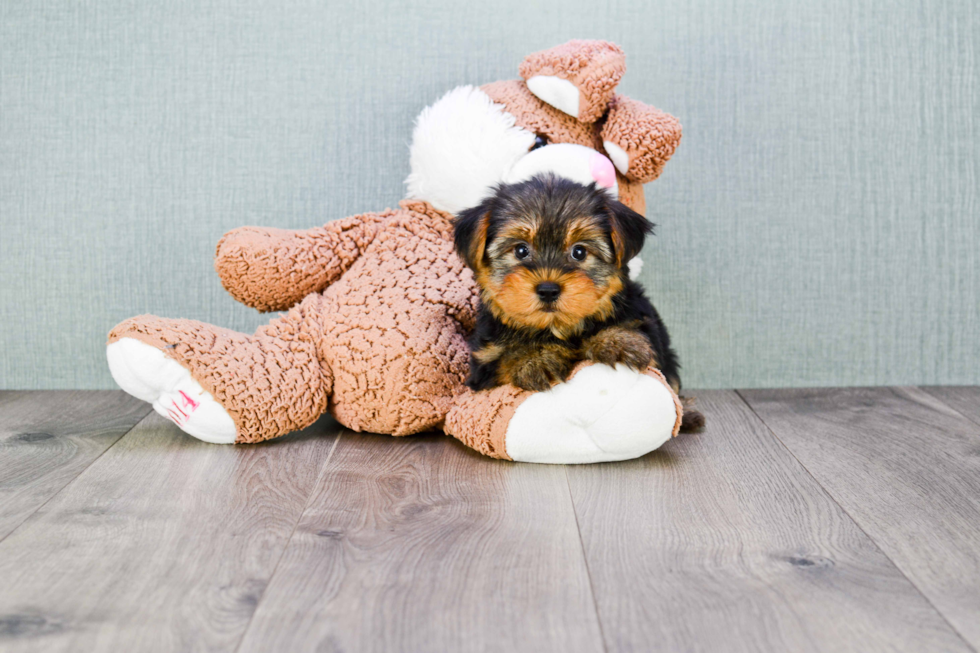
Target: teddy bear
x,y
376,308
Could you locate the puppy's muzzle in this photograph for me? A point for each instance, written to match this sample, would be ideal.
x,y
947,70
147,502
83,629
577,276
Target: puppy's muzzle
x,y
548,291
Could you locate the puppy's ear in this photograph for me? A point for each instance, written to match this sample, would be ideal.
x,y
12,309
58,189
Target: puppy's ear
x,y
629,230
470,233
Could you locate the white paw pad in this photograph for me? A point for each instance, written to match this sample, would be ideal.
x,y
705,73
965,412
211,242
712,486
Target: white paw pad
x,y
601,414
146,373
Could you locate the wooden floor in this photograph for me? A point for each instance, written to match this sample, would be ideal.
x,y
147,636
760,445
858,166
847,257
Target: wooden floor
x,y
799,520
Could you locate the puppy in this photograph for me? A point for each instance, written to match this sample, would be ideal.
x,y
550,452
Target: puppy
x,y
550,257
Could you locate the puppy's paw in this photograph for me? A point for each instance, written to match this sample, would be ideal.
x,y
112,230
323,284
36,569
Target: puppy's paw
x,y
619,345
540,370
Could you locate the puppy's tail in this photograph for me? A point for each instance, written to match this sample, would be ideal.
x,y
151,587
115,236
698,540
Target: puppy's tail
x,y
693,419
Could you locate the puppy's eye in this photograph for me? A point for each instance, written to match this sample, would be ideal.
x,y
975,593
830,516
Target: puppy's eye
x,y
579,252
539,141
522,251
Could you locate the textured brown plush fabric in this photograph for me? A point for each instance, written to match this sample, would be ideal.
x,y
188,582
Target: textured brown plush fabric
x,y
648,152
385,343
631,194
649,136
594,67
270,383
539,117
480,419
273,269
651,371
378,304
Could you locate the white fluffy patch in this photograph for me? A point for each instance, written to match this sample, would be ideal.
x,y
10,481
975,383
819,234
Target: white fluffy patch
x,y
601,414
635,266
146,373
461,147
566,160
618,156
559,93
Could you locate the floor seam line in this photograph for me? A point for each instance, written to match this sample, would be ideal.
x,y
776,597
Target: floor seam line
x,y
585,561
857,523
968,418
282,554
142,419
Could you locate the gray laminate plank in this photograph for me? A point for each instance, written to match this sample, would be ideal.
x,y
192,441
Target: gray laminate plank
x,y
164,543
720,541
47,438
420,544
965,399
906,467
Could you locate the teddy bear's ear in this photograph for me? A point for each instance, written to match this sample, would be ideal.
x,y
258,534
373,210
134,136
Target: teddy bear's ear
x,y
578,77
470,234
639,139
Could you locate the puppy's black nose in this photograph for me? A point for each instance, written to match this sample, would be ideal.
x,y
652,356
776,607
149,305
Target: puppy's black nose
x,y
548,291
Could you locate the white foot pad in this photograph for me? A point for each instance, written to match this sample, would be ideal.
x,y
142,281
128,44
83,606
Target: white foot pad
x,y
601,414
146,373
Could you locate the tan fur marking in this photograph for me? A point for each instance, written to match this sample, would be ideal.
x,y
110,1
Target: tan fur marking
x,y
618,244
536,368
583,230
515,302
525,229
479,245
489,353
620,345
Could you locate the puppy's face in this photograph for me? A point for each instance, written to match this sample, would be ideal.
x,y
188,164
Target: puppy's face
x,y
549,253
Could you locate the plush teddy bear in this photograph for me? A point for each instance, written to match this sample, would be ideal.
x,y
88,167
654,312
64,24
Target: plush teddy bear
x,y
379,306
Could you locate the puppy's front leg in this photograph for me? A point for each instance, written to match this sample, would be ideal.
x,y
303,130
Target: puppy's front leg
x,y
484,362
536,367
619,344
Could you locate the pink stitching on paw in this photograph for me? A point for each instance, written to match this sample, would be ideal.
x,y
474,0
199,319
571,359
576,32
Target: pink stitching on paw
x,y
178,416
189,402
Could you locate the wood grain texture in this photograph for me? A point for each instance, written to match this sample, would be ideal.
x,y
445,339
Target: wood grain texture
x,y
49,438
422,545
963,399
906,467
721,541
164,543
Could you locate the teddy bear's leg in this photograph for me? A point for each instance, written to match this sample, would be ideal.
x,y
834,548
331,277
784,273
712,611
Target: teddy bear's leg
x,y
639,138
600,414
578,77
222,386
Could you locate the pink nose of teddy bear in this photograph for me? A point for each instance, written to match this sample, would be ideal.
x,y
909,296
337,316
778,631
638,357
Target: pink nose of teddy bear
x,y
602,170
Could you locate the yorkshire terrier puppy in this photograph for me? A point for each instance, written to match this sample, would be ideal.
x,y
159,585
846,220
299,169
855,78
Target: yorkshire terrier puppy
x,y
550,257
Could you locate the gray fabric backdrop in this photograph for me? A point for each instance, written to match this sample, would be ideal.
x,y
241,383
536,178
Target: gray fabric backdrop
x,y
819,224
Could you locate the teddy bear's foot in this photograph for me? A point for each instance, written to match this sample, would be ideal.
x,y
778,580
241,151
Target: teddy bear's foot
x,y
600,414
145,372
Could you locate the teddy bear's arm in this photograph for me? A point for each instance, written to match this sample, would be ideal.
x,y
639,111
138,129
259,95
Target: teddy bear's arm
x,y
639,138
274,269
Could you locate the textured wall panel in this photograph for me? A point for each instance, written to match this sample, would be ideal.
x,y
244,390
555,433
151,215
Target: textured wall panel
x,y
819,224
